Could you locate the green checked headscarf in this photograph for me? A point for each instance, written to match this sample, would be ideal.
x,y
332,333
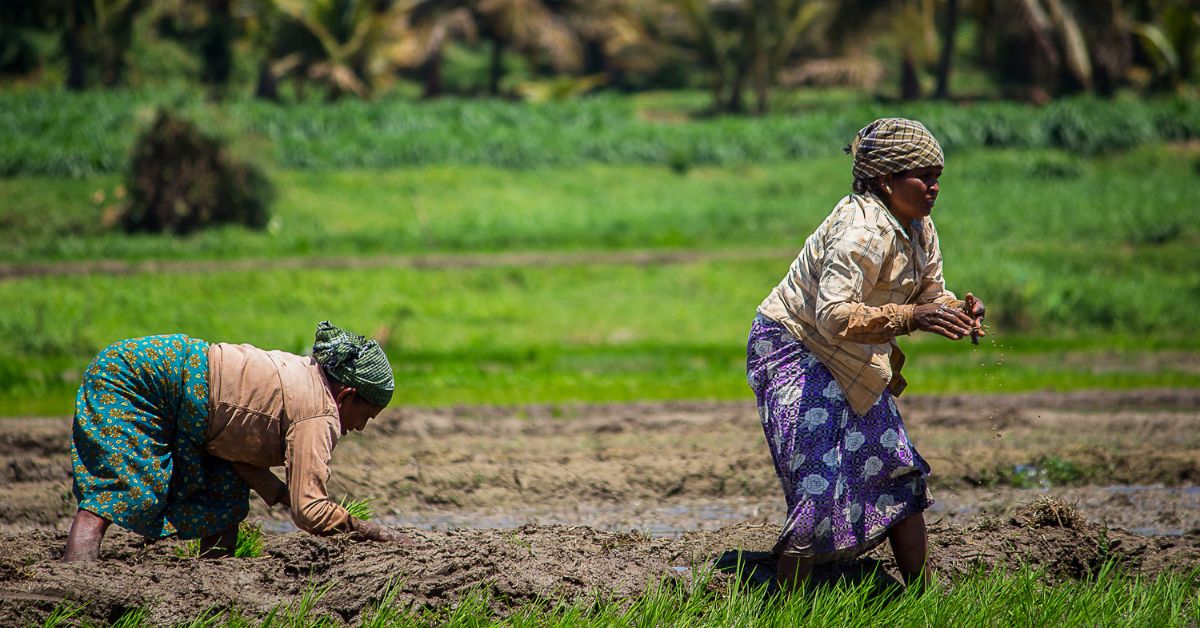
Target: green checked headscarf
x,y
891,145
354,361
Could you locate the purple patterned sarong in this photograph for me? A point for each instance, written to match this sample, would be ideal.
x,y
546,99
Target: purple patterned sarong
x,y
847,478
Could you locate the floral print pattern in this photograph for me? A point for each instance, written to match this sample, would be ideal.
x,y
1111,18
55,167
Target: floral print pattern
x,y
847,478
137,442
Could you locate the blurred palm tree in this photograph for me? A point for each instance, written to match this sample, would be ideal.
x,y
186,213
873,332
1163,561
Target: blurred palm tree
x,y
1168,34
745,42
908,26
1041,48
95,35
339,45
1050,47
209,29
616,36
527,26
336,43
422,44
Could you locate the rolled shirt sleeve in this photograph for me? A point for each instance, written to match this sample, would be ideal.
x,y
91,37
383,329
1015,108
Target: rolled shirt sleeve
x,y
852,267
310,445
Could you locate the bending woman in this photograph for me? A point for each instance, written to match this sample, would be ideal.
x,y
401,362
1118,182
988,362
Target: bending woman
x,y
171,433
823,361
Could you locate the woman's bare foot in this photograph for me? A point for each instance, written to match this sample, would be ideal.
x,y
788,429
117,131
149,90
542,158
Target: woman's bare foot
x,y
83,541
910,544
792,571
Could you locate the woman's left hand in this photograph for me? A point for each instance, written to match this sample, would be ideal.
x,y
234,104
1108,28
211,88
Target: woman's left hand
x,y
976,310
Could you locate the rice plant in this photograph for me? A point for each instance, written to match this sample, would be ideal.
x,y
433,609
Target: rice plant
x,y
359,508
249,543
996,598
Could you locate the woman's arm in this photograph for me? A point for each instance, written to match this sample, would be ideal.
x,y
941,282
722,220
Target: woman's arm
x,y
851,269
271,489
309,451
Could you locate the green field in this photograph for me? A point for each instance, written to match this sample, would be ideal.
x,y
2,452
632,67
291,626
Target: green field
x,y
1092,258
53,133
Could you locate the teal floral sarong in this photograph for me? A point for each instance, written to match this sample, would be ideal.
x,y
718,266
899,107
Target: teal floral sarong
x,y
137,445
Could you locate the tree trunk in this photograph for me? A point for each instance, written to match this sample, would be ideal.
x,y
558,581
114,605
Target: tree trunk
x,y
910,85
718,90
736,102
497,67
944,64
762,63
216,47
268,85
431,73
76,70
762,85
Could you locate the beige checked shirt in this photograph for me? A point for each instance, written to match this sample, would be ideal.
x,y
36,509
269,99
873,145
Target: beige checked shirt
x,y
853,289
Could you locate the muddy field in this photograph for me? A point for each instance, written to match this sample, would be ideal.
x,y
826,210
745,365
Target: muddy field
x,y
564,501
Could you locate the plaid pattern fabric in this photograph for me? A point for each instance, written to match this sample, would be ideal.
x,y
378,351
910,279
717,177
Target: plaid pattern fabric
x,y
852,290
890,145
355,361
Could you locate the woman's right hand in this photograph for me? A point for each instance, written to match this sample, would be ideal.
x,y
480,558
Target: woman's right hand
x,y
943,319
371,531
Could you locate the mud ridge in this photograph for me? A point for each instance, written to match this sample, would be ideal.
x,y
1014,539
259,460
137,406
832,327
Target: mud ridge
x,y
520,565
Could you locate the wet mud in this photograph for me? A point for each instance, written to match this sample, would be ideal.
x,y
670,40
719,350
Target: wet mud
x,y
571,501
518,566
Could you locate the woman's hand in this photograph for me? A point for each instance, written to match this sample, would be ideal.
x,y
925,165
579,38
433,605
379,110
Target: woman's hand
x,y
976,310
371,531
940,318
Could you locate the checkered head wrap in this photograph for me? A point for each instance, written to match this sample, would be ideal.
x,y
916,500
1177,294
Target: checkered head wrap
x,y
355,362
891,145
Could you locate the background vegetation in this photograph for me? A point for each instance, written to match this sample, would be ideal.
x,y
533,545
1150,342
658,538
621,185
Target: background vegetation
x,y
1086,264
558,201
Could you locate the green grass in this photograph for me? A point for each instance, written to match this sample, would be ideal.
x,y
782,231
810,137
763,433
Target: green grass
x,y
1035,205
986,599
61,133
542,334
1091,259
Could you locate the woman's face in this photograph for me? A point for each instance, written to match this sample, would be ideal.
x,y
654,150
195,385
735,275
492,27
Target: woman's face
x,y
913,192
354,411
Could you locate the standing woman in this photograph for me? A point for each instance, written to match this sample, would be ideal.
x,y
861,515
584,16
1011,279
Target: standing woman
x,y
171,433
823,361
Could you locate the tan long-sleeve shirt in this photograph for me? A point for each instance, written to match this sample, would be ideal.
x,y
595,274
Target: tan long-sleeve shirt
x,y
270,409
853,289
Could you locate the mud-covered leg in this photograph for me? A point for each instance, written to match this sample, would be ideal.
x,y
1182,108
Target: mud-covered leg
x,y
910,545
791,571
220,545
83,541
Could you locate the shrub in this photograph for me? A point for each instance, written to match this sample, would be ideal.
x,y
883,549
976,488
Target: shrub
x,y
182,180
